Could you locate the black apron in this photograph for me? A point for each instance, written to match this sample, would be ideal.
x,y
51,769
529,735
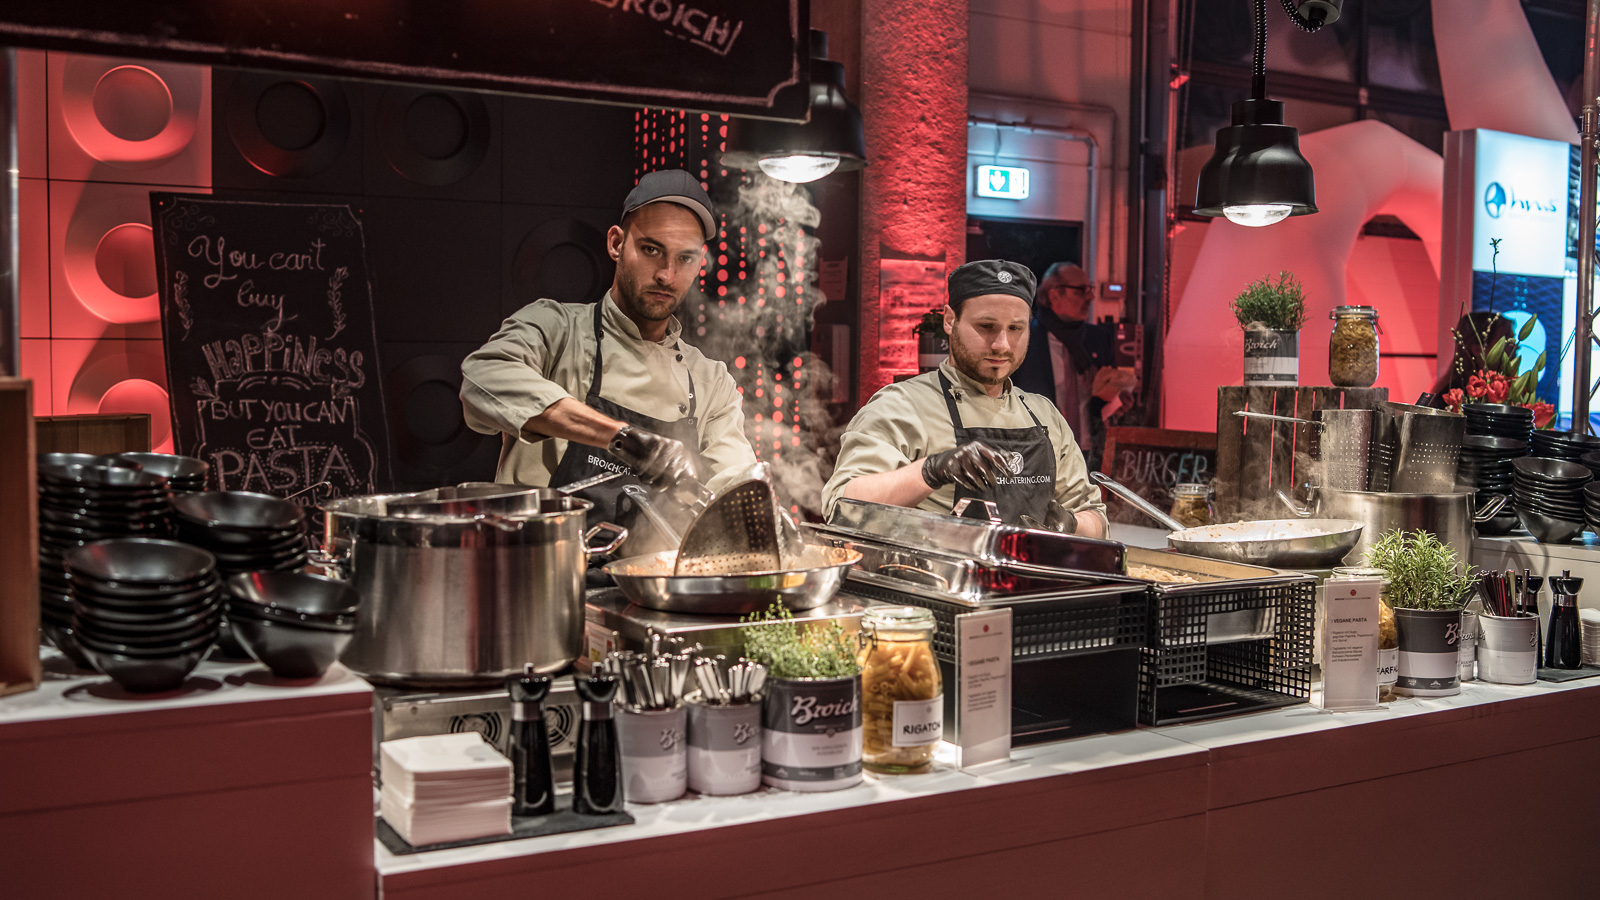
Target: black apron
x,y
1031,484
581,461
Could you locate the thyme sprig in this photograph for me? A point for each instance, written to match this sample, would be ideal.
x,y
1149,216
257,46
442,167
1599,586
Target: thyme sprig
x,y
792,649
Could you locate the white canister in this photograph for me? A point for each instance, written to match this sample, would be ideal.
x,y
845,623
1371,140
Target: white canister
x,y
1508,651
724,747
655,764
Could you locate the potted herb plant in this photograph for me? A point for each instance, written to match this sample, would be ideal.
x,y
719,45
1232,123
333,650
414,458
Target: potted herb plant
x,y
1271,312
811,739
1428,587
933,342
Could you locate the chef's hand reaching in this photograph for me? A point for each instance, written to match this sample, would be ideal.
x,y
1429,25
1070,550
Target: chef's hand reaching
x,y
974,465
659,461
1061,519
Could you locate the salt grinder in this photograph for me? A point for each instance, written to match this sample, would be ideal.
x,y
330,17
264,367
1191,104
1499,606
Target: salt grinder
x,y
597,770
535,793
1564,642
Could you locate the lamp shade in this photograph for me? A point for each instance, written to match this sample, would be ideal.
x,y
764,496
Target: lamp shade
x,y
831,140
1257,175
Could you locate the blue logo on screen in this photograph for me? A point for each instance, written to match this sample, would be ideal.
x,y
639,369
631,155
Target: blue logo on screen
x,y
1494,199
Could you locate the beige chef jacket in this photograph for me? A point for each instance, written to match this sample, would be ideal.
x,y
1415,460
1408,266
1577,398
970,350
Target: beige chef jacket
x,y
909,421
545,352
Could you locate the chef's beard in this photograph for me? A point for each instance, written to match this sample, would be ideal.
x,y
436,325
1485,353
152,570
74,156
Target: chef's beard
x,y
971,364
638,304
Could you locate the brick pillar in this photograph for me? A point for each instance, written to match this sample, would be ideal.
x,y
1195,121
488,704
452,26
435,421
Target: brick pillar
x,y
914,103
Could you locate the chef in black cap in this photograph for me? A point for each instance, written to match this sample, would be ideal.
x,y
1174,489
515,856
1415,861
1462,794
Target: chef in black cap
x,y
965,431
577,390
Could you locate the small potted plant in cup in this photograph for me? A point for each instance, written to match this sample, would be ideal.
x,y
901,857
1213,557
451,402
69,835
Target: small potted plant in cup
x,y
1428,587
811,716
1271,312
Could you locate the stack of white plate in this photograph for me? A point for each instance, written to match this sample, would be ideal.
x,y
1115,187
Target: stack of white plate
x,y
440,788
1591,636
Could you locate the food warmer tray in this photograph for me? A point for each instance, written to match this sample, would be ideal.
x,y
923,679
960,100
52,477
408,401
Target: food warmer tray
x,y
1226,602
1048,553
610,616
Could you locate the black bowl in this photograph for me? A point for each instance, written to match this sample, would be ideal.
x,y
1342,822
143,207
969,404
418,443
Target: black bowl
x,y
240,609
1497,446
100,478
146,640
1550,470
176,648
146,675
156,621
1497,411
289,650
141,561
238,511
81,459
1571,513
1548,529
295,592
227,540
232,563
61,636
136,596
170,466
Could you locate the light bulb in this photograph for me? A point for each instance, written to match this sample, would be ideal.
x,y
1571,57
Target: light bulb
x,y
1258,215
798,168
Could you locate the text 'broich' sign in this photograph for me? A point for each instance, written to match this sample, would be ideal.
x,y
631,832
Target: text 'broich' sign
x,y
272,359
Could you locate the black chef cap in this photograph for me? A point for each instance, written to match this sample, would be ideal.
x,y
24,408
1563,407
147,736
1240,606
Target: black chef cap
x,y
674,186
991,276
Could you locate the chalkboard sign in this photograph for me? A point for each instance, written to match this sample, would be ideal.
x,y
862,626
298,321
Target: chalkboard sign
x,y
747,57
272,358
1151,461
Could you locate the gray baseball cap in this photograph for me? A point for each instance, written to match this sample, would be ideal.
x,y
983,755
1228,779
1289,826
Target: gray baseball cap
x,y
674,186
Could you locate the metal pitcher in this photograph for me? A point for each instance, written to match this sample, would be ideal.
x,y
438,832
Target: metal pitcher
x,y
464,598
1449,516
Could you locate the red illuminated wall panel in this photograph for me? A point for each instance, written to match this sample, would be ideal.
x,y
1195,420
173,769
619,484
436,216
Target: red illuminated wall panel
x,y
129,120
112,376
33,243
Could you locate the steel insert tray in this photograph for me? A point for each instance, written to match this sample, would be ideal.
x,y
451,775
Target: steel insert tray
x,y
1254,622
610,614
1017,548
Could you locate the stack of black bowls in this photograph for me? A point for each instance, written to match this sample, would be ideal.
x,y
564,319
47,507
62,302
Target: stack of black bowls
x,y
81,504
1486,468
1564,445
1498,420
1591,507
145,612
247,532
294,622
1548,494
184,473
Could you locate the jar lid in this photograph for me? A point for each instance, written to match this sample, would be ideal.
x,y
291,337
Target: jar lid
x,y
1370,312
891,618
1360,572
1189,489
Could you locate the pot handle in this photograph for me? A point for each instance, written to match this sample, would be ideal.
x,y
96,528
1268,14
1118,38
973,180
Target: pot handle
x,y
989,507
338,564
620,532
1255,415
1139,503
923,575
1491,506
1301,512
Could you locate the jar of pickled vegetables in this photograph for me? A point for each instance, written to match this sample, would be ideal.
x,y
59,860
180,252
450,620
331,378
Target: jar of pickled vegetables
x,y
902,695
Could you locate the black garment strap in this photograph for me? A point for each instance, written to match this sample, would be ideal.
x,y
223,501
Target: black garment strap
x,y
955,414
595,376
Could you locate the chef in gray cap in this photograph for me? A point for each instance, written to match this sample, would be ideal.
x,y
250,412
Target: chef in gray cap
x,y
965,431
577,390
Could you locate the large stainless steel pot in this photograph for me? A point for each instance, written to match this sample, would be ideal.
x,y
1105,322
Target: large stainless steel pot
x,y
1449,517
461,599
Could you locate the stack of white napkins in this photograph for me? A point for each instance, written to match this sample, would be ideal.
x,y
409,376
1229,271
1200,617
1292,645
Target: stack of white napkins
x,y
445,787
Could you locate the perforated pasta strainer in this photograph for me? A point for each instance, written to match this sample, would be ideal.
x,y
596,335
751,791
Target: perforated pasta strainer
x,y
736,532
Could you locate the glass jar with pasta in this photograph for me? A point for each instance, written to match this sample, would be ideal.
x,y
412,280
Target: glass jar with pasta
x,y
902,694
1353,346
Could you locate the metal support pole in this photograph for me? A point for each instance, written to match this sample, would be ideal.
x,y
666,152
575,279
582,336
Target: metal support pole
x,y
1582,346
10,254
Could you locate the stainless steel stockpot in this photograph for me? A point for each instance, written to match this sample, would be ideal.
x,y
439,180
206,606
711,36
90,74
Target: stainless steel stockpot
x,y
1448,516
462,599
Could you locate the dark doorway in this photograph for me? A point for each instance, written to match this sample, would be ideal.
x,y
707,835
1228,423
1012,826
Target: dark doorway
x,y
1036,243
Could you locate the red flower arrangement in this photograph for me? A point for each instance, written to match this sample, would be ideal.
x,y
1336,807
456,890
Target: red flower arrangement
x,y
1490,386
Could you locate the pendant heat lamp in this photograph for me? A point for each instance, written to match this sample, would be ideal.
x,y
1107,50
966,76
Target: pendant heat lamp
x,y
831,140
1257,176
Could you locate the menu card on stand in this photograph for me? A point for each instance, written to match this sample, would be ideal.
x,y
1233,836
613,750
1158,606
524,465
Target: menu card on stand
x,y
983,686
1350,643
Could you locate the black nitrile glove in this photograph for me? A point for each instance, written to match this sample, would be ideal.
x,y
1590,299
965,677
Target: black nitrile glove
x,y
658,461
973,465
1061,519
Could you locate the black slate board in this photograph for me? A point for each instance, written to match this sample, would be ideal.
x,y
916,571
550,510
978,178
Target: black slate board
x,y
272,357
561,821
1556,676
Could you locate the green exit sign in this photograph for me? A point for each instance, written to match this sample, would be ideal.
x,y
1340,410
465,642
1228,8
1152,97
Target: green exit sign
x,y
1004,182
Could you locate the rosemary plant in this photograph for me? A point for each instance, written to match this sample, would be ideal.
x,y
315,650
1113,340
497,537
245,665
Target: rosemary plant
x,y
1424,573
792,650
1279,306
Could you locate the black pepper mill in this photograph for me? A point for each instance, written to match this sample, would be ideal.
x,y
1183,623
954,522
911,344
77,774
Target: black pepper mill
x,y
535,793
1564,646
597,770
1530,604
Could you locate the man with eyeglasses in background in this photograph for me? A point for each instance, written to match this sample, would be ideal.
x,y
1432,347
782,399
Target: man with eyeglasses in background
x,y
1073,365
